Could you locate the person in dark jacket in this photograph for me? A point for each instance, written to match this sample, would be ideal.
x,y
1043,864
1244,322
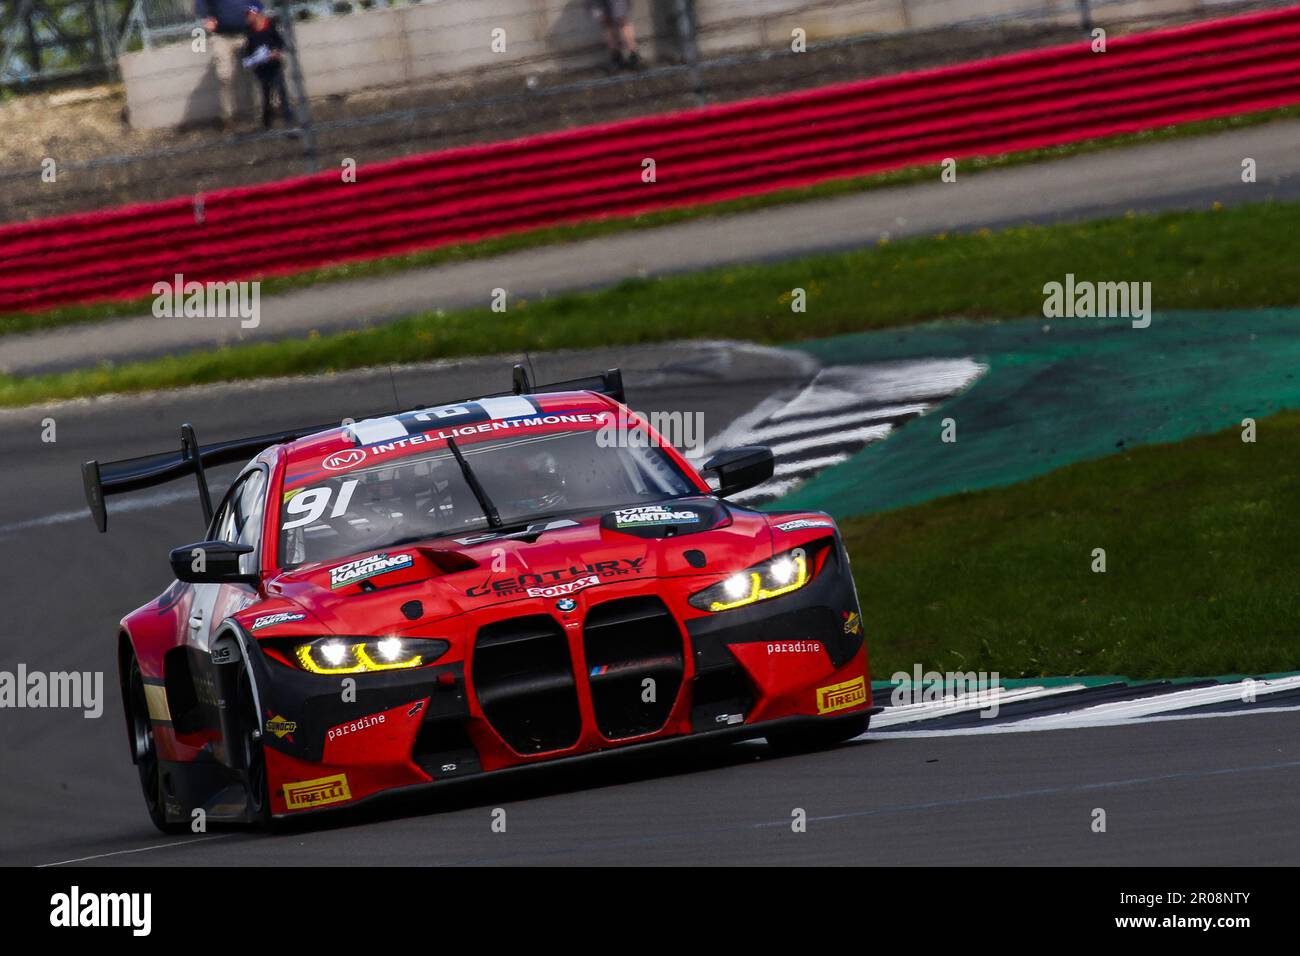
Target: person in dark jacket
x,y
263,54
620,36
224,21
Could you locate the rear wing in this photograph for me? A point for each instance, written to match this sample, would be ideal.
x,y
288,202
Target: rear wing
x,y
608,383
148,471
102,479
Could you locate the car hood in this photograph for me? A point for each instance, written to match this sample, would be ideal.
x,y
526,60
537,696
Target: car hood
x,y
402,589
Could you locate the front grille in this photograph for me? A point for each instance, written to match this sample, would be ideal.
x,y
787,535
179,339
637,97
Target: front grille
x,y
443,748
720,696
627,643
523,676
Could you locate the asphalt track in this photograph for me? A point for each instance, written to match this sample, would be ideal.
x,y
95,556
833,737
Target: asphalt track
x,y
1214,790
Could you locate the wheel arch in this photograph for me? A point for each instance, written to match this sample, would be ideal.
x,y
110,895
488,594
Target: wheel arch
x,y
125,654
243,669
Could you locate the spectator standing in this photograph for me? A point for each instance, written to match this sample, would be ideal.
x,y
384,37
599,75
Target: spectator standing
x,y
620,36
224,21
263,54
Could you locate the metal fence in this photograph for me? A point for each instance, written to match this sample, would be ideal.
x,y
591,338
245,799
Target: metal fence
x,y
47,40
490,103
155,21
59,42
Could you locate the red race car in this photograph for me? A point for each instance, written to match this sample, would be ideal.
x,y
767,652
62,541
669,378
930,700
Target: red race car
x,y
466,589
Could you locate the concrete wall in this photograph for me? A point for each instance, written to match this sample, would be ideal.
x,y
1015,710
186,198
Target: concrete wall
x,y
725,25
354,52
393,47
445,40
449,38
173,85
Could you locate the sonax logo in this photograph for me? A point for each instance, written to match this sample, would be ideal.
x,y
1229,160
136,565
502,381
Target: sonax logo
x,y
567,588
841,696
317,793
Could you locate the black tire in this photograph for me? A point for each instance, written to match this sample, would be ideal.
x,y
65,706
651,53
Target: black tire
x,y
804,738
145,751
254,754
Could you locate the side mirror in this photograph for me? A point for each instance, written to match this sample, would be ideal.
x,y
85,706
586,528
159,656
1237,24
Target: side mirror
x,y
739,468
211,562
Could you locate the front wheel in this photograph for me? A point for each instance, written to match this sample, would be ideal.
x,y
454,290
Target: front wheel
x,y
803,738
146,751
254,754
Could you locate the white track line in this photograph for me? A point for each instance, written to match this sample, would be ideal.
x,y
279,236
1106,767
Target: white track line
x,y
868,413
1163,703
139,849
1020,727
1114,713
83,514
883,382
926,710
853,436
833,414
789,476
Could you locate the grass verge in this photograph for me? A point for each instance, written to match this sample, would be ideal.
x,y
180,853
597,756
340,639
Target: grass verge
x,y
1200,567
1207,260
577,232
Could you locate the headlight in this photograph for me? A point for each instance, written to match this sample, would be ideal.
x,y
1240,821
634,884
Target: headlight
x,y
353,655
780,575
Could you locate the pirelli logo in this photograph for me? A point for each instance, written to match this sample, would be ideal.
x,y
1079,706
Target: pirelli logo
x,y
851,693
317,793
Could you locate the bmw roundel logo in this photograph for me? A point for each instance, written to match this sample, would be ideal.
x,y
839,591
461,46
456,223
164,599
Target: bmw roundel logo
x,y
566,604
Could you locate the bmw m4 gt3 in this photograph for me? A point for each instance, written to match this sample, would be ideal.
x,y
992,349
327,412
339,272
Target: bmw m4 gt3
x,y
469,588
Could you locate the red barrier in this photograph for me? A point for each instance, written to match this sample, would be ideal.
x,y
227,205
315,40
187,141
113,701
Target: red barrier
x,y
1020,101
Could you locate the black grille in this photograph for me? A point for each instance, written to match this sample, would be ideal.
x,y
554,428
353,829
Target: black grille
x,y
626,642
443,749
523,676
720,696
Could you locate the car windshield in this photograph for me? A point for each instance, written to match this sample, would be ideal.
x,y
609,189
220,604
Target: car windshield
x,y
426,496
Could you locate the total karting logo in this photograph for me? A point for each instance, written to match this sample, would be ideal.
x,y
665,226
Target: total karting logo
x,y
368,567
801,524
557,583
270,620
651,516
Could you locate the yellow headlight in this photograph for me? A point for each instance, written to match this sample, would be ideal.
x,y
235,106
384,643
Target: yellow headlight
x,y
344,655
781,575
